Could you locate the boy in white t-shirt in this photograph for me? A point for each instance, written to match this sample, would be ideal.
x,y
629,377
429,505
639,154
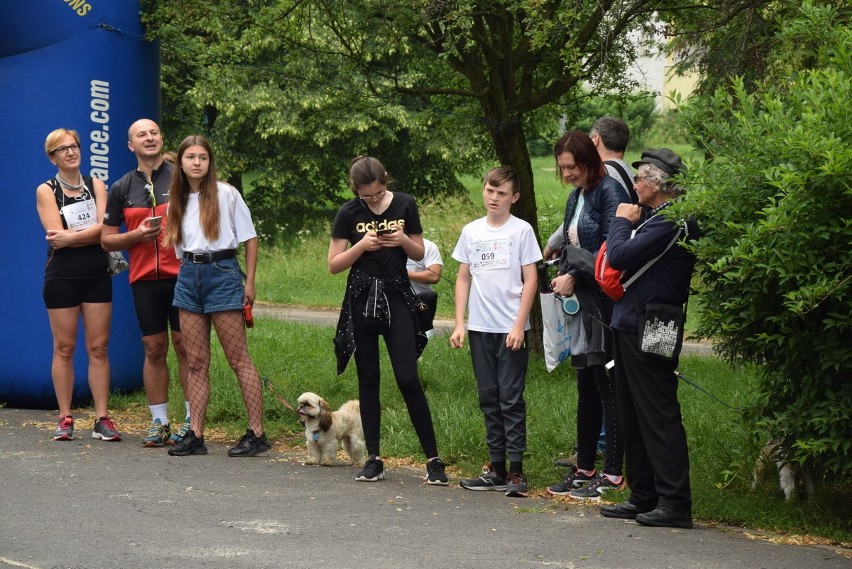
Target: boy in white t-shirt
x,y
423,274
497,275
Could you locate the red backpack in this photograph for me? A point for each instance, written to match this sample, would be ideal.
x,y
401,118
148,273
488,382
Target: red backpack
x,y
609,279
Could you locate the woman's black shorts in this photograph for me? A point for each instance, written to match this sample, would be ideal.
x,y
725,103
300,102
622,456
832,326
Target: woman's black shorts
x,y
68,293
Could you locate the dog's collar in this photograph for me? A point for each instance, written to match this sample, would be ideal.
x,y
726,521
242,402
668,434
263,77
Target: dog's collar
x,y
315,435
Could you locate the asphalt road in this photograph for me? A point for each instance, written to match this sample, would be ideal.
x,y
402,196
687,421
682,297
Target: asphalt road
x,y
87,504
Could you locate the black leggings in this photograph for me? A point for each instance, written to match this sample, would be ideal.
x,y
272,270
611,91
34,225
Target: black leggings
x,y
400,342
596,403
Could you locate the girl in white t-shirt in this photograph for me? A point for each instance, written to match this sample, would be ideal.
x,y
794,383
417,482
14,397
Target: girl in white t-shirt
x,y
207,221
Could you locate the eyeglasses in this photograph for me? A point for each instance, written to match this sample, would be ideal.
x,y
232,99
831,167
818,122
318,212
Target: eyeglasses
x,y
637,179
64,149
378,195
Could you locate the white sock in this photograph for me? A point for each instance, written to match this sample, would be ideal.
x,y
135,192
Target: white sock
x,y
186,404
160,412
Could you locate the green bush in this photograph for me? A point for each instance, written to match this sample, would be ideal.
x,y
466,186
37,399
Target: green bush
x,y
774,199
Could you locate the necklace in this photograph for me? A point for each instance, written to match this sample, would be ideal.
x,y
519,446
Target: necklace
x,y
379,207
81,187
71,187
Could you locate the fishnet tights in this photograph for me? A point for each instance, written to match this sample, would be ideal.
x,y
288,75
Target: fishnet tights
x,y
230,328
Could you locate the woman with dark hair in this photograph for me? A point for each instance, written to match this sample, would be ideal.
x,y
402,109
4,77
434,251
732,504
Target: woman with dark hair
x,y
207,221
76,279
373,235
590,208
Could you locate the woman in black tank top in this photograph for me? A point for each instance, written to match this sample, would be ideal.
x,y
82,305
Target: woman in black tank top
x,y
77,281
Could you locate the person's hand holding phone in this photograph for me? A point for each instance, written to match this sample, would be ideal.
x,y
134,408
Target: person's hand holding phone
x,y
389,237
151,228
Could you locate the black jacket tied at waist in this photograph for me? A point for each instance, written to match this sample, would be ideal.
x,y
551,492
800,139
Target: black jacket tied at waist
x,y
376,312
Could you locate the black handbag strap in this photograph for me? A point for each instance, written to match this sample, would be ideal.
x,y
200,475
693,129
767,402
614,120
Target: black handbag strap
x,y
628,182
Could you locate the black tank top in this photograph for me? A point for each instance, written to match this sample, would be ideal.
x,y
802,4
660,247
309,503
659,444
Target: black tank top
x,y
87,262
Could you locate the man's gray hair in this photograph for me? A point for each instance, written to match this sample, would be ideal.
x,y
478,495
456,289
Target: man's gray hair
x,y
613,131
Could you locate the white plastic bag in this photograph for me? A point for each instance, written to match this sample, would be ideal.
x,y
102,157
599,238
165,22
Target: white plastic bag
x,y
557,334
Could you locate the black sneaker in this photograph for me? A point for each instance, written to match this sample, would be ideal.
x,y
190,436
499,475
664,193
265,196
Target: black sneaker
x,y
435,473
105,430
373,471
488,481
516,485
190,444
597,487
575,479
250,445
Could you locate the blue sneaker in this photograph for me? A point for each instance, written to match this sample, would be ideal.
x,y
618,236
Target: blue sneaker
x,y
178,435
158,434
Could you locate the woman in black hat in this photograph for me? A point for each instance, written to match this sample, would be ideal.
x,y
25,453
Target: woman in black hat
x,y
646,385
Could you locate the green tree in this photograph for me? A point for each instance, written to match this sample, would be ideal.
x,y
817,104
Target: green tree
x,y
256,78
443,83
507,62
774,199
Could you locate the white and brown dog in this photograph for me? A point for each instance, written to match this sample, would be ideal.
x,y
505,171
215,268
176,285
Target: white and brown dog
x,y
324,428
795,480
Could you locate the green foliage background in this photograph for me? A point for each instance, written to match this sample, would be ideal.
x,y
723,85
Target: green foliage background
x,y
774,199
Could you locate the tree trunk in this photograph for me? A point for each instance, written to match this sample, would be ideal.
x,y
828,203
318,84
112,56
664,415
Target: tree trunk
x,y
511,146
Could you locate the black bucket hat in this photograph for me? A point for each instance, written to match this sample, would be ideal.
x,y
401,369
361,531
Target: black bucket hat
x,y
664,159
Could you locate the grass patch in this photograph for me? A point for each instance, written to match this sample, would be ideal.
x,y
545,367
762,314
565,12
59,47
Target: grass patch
x,y
299,357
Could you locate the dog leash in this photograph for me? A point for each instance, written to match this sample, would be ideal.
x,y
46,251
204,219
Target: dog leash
x,y
705,392
280,399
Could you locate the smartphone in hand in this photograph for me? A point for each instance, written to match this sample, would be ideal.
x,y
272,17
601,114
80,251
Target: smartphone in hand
x,y
155,221
381,232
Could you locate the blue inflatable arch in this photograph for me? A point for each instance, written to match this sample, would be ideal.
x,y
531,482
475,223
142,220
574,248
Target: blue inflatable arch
x,y
82,65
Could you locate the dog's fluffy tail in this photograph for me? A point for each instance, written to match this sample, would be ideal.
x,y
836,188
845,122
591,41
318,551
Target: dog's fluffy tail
x,y
353,406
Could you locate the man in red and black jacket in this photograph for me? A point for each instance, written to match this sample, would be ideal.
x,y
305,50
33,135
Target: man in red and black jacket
x,y
139,200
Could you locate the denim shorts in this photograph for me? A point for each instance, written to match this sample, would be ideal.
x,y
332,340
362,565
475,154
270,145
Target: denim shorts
x,y
204,288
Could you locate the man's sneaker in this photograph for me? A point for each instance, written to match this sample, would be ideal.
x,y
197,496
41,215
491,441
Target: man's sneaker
x,y
158,434
435,473
189,444
105,430
65,430
178,435
250,445
489,480
575,479
516,485
595,488
373,470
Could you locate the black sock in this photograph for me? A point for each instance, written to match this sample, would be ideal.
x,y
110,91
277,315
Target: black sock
x,y
500,468
516,467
